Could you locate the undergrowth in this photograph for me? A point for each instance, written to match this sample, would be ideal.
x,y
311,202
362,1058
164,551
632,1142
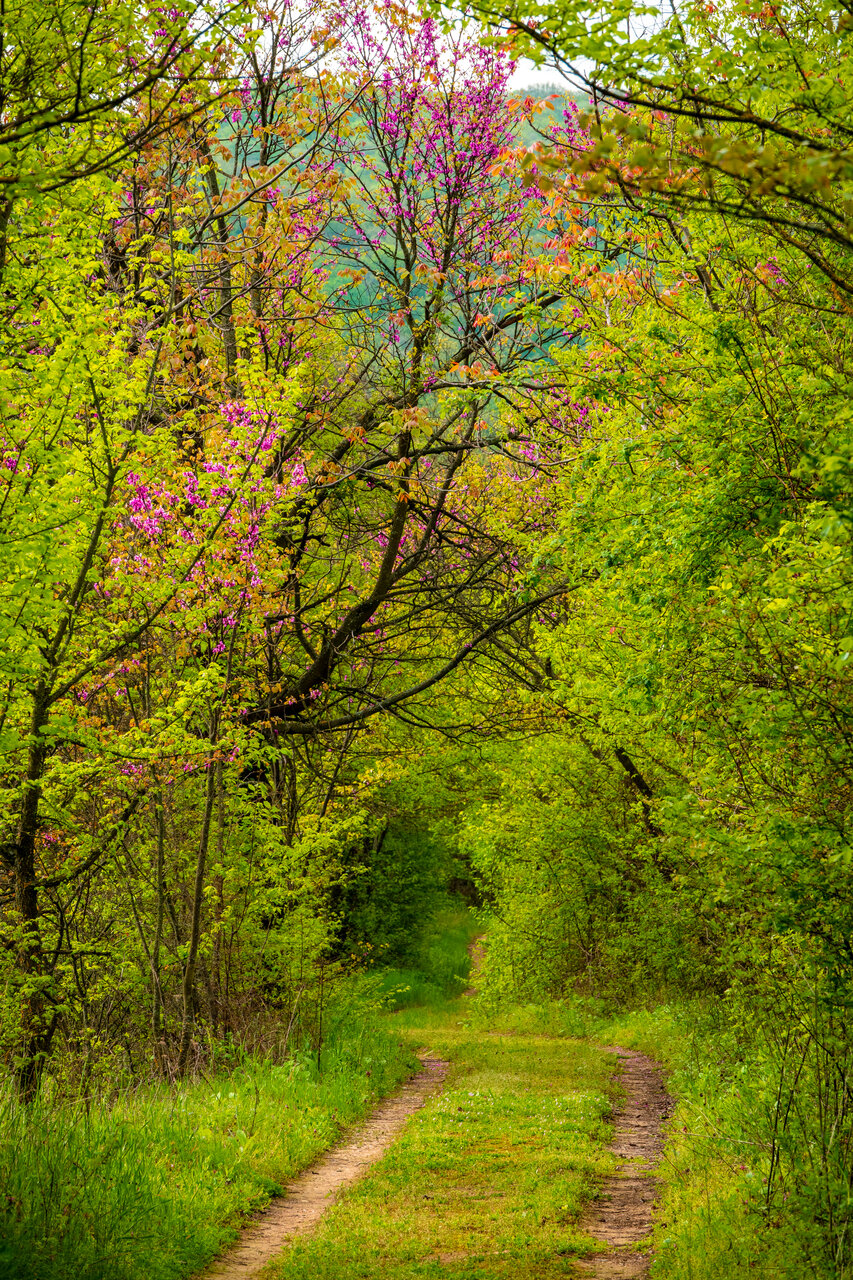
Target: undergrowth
x,y
150,1185
757,1174
440,970
742,1197
740,1200
150,1182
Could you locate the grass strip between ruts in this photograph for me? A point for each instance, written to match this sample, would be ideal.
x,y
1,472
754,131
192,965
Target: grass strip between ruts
x,y
489,1179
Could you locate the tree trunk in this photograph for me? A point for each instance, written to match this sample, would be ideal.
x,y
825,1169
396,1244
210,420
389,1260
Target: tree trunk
x,y
219,1011
157,1026
37,1019
195,927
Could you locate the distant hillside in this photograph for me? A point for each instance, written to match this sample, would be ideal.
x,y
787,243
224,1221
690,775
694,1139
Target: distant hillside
x,y
557,93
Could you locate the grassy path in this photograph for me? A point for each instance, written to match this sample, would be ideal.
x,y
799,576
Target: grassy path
x,y
489,1179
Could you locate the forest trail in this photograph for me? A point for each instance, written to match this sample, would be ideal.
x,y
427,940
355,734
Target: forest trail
x,y
310,1195
494,1174
621,1217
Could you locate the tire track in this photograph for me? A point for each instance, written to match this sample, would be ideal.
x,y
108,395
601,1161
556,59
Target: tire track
x,y
621,1215
314,1191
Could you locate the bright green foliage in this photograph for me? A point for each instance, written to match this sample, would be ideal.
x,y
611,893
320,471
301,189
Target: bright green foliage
x,y
83,89
385,513
579,902
438,969
722,596
689,830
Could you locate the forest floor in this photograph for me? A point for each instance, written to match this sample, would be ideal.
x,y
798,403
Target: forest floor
x,y
493,1162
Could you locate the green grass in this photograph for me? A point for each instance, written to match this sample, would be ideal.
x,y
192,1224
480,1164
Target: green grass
x,y
489,1179
150,1187
713,1221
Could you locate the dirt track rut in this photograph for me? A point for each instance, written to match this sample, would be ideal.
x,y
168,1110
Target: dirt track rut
x,y
621,1216
310,1195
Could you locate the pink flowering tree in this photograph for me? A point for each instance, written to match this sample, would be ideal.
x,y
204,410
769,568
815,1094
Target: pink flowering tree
x,y
439,307
304,368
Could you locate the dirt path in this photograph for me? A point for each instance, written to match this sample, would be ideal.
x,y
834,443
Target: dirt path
x,y
311,1194
621,1216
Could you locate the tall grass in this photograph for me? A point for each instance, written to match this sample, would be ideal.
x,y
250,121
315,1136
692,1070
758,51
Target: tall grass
x,y
752,1190
152,1185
